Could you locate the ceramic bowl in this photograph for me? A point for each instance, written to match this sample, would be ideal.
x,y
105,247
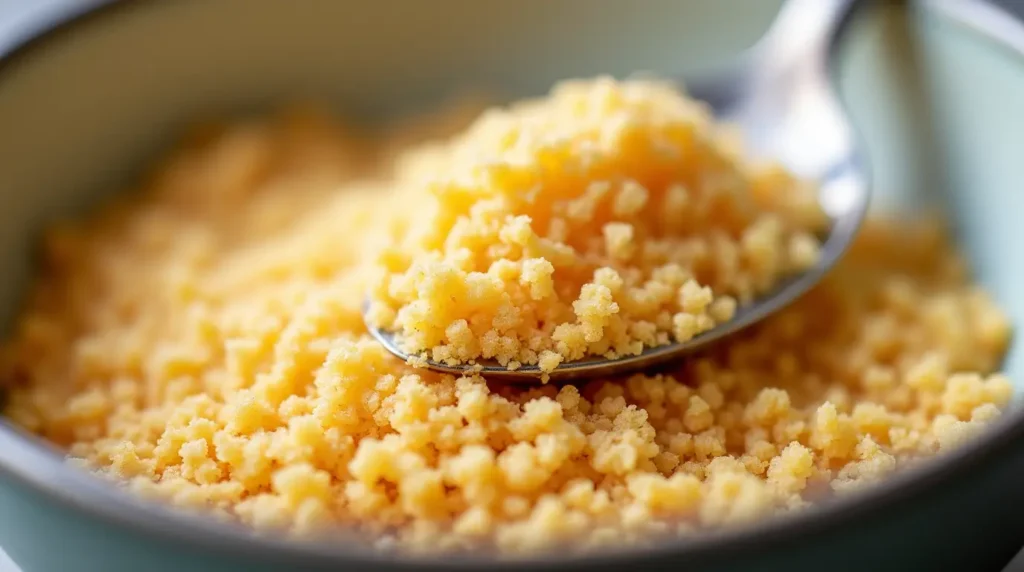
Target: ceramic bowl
x,y
92,91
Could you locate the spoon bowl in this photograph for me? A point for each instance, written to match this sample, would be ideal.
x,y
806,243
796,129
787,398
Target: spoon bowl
x,y
779,94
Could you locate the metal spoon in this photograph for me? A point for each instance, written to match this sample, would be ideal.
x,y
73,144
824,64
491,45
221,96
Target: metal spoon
x,y
780,95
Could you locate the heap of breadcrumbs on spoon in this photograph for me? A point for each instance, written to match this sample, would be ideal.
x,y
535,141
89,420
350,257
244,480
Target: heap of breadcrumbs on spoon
x,y
203,342
598,222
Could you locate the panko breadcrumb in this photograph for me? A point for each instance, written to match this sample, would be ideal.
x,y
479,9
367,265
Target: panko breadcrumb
x,y
203,344
607,218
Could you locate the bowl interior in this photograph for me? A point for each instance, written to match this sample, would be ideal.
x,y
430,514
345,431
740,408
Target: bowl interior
x,y
84,108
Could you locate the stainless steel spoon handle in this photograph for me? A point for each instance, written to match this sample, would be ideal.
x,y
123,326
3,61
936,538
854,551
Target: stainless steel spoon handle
x,y
802,34
790,104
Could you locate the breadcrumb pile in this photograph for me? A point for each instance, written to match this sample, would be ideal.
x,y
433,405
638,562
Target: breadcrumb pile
x,y
600,221
202,342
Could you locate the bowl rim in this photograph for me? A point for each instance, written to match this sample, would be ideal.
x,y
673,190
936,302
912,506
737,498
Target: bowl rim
x,y
39,466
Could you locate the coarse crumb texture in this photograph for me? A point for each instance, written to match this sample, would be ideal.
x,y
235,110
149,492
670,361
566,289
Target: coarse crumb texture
x,y
203,343
604,219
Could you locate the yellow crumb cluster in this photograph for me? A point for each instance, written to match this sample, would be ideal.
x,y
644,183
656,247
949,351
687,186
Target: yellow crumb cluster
x,y
604,219
202,342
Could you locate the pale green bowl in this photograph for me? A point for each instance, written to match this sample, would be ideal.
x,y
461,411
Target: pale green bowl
x,y
85,102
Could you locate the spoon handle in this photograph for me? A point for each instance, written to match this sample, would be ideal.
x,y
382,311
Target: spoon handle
x,y
804,32
790,109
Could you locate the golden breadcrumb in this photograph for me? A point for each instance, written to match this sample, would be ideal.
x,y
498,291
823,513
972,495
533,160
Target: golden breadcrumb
x,y
604,219
203,342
